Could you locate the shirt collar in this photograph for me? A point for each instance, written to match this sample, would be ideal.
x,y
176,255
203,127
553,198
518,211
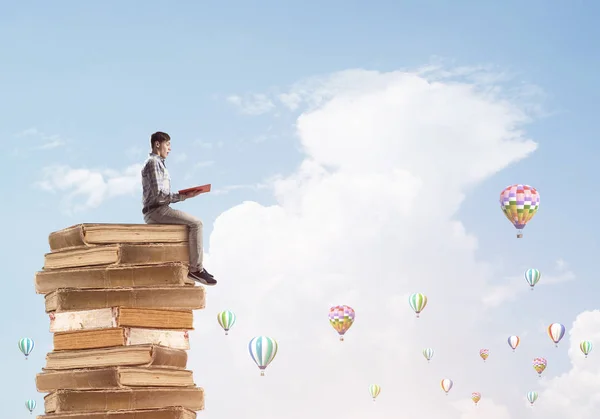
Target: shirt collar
x,y
154,155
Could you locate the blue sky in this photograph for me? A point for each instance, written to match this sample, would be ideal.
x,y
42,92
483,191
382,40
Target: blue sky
x,y
85,85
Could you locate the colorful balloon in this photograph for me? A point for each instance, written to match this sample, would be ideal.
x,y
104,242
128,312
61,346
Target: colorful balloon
x,y
539,365
374,389
446,384
586,347
30,405
341,318
417,302
263,350
484,353
519,204
226,320
532,396
428,354
475,396
26,345
513,342
532,276
556,331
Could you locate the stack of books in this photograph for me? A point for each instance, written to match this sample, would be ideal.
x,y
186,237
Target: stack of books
x,y
120,307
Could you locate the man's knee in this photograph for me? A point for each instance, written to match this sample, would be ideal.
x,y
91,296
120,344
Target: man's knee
x,y
195,224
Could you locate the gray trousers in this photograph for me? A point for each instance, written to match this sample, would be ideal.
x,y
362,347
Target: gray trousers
x,y
167,215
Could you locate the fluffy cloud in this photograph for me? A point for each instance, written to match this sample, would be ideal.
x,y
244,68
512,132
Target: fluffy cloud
x,y
256,104
575,394
368,218
94,186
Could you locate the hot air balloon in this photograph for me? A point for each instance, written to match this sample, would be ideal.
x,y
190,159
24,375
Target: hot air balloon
x,y
539,365
26,346
519,204
532,397
586,347
532,276
30,405
374,389
428,354
556,331
446,384
417,302
484,353
513,342
475,396
341,318
262,350
226,320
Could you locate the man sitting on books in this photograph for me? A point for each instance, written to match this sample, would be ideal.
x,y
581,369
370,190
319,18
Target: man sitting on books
x,y
157,196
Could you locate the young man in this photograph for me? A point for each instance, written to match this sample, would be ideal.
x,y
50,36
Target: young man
x,y
156,184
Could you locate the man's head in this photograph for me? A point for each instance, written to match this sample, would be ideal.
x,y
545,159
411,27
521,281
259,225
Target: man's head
x,y
161,144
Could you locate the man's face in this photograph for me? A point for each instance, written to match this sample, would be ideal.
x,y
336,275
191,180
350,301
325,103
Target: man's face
x,y
164,149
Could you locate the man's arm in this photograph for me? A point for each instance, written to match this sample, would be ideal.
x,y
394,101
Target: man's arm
x,y
156,178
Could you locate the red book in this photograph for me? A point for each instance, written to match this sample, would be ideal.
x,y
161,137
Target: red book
x,y
202,189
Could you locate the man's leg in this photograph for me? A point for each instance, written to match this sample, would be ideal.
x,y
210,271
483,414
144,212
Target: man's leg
x,y
168,215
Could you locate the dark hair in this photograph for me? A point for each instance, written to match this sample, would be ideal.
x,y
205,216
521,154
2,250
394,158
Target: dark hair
x,y
161,137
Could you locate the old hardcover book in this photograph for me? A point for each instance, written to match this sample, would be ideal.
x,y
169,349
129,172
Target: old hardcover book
x,y
121,336
133,355
138,398
178,298
68,321
113,377
117,254
166,413
91,234
161,275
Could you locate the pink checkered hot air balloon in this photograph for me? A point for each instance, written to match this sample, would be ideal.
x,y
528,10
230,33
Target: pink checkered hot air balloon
x,y
341,319
519,203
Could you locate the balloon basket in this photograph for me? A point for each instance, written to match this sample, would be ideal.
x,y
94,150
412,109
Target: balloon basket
x,y
262,373
418,315
520,236
226,333
341,338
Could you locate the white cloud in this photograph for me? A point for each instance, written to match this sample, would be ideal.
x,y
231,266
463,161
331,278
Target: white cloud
x,y
368,218
514,285
90,186
575,395
45,141
255,104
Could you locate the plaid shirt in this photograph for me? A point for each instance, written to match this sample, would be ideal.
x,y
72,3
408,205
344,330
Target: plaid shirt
x,y
156,182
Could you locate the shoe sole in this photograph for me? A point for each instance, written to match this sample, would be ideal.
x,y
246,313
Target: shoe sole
x,y
201,280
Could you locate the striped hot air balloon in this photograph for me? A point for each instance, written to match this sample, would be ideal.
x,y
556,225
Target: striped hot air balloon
x,y
475,396
446,384
341,318
374,389
484,353
513,342
262,350
226,320
417,302
532,396
532,276
26,345
556,331
519,203
586,347
30,405
428,354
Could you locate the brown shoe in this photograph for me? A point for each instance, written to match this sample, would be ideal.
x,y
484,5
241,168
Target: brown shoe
x,y
203,277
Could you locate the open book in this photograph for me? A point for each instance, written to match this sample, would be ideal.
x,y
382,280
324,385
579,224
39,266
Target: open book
x,y
202,189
